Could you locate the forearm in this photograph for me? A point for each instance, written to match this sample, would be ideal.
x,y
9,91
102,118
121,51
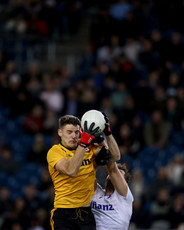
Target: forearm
x,y
77,159
71,167
113,147
117,179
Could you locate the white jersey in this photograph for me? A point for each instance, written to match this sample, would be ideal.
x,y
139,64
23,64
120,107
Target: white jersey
x,y
111,212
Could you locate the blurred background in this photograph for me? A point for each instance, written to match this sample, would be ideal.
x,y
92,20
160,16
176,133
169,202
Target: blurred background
x,y
124,58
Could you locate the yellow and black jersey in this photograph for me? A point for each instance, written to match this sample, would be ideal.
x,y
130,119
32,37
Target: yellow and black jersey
x,y
72,192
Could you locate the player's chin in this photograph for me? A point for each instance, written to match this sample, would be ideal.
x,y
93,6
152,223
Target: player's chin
x,y
73,145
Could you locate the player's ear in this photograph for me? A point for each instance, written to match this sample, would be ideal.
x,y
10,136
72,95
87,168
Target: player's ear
x,y
59,132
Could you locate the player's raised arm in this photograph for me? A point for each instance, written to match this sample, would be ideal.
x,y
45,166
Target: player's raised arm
x,y
117,174
113,147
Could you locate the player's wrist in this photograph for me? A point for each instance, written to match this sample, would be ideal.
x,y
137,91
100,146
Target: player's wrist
x,y
107,130
83,145
86,139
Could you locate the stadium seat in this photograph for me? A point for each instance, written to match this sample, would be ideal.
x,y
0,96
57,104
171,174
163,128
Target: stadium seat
x,y
3,179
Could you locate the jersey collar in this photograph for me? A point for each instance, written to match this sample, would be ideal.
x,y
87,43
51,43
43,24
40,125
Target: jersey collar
x,y
70,149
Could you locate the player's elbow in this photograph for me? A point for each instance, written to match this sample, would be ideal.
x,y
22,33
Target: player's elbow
x,y
72,174
66,169
117,157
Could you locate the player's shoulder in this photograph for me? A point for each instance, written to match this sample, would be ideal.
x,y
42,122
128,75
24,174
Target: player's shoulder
x,y
53,149
130,195
128,198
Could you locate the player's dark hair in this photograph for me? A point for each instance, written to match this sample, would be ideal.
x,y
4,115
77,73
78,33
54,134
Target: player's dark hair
x,y
123,166
68,120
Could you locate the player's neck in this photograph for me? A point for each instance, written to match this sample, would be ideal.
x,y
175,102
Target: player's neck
x,y
68,147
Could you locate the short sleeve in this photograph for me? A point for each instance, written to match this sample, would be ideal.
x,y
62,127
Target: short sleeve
x,y
129,197
54,155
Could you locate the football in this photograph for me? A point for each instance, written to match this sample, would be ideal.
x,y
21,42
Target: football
x,y
94,116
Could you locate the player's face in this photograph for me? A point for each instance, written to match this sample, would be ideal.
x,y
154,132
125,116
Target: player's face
x,y
69,135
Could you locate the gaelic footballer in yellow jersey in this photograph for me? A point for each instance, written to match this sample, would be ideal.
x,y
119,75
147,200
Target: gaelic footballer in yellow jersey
x,y
72,168
72,192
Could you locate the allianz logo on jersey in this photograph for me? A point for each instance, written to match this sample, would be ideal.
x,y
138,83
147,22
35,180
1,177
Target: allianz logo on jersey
x,y
105,207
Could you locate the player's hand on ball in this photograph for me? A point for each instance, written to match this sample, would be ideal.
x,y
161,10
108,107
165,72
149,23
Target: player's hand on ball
x,y
93,122
107,129
88,134
91,130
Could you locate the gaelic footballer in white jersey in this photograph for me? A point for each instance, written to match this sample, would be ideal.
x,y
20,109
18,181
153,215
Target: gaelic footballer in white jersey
x,y
112,207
